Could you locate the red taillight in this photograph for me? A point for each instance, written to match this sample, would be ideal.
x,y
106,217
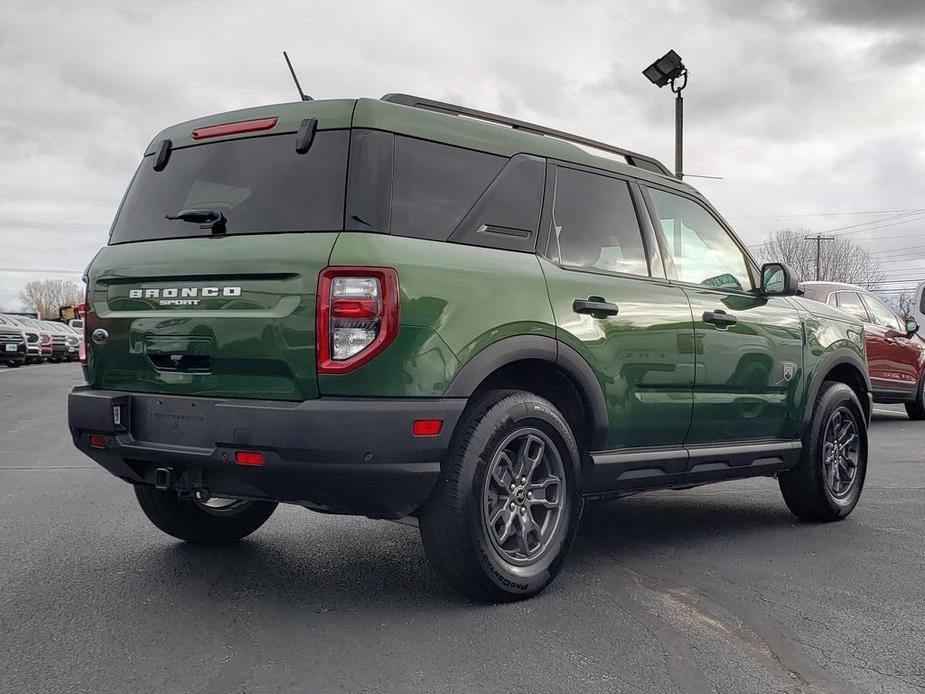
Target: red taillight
x,y
357,316
97,441
427,427
355,308
243,126
248,458
82,309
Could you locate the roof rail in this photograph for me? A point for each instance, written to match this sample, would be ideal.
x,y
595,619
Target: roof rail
x,y
632,158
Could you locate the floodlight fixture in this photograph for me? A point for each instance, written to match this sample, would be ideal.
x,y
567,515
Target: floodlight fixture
x,y
665,70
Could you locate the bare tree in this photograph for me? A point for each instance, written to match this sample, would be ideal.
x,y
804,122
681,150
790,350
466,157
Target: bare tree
x,y
46,297
902,302
840,260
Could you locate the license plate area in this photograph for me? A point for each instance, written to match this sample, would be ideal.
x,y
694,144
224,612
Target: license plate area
x,y
173,421
11,348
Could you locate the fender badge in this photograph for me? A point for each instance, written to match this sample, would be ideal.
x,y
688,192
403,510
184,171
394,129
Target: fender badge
x,y
790,370
99,336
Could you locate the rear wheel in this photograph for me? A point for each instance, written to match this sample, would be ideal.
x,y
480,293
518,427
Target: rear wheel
x,y
215,521
507,506
916,408
826,484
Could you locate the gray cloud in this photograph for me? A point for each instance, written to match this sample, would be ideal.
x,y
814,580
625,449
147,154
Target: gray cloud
x,y
803,107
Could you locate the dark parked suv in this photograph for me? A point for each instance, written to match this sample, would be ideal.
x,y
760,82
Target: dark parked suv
x,y
12,343
403,308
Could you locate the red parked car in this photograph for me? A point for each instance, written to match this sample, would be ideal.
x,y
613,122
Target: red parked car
x,y
895,351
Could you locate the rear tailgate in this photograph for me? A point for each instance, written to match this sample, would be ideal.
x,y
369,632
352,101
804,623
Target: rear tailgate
x,y
229,317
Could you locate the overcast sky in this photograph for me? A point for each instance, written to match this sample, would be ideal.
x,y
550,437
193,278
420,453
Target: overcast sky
x,y
811,112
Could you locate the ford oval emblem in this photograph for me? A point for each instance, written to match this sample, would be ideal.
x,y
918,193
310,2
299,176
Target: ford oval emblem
x,y
99,336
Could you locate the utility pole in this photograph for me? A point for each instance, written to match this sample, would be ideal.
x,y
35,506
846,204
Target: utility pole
x,y
818,238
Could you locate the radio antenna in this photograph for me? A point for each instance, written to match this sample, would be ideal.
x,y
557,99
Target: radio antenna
x,y
302,95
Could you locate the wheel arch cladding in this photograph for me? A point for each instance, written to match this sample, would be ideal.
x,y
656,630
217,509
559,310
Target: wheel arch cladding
x,y
548,368
844,366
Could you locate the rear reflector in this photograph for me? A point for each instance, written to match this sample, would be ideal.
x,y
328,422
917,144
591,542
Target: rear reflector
x,y
97,441
427,427
248,458
243,126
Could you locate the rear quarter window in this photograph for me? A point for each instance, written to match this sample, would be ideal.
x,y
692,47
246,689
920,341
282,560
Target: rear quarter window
x,y
260,184
435,185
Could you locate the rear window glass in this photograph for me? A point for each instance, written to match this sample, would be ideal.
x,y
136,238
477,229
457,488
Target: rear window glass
x,y
595,224
260,184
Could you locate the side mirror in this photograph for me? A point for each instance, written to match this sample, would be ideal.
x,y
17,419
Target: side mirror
x,y
912,327
778,280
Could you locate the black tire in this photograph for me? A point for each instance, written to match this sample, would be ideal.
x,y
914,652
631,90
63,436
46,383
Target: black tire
x,y
188,520
13,364
807,492
455,521
916,408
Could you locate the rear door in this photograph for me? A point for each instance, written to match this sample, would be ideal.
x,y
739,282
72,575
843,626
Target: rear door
x,y
749,347
895,363
614,306
190,310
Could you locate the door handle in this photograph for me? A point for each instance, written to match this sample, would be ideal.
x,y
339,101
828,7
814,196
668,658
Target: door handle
x,y
595,306
719,318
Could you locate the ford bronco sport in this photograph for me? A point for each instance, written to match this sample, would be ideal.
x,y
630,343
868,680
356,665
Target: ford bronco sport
x,y
401,308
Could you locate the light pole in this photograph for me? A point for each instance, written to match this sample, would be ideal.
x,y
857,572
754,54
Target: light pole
x,y
670,70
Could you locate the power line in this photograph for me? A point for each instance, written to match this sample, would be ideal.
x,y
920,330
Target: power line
x,y
61,270
52,225
861,227
827,214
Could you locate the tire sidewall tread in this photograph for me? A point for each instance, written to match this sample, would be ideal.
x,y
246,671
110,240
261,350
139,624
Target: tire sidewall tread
x,y
451,523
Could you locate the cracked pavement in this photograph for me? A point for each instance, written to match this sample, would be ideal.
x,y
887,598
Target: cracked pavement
x,y
717,589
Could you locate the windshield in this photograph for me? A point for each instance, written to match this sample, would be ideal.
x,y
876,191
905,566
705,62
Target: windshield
x,y
260,185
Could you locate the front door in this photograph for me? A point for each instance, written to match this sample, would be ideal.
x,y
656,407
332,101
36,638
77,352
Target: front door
x,y
893,359
749,363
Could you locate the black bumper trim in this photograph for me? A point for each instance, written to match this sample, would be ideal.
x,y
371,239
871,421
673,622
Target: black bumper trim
x,y
342,455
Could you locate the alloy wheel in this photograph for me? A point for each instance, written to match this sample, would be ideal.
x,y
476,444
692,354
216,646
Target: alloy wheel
x,y
841,450
524,496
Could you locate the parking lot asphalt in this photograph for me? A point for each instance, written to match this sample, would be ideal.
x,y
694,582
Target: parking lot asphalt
x,y
717,589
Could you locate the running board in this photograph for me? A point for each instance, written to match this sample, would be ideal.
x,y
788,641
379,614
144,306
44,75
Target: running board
x,y
637,468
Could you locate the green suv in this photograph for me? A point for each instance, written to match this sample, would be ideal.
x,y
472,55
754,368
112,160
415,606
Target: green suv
x,y
404,309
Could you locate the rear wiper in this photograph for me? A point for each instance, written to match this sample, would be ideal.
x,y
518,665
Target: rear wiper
x,y
206,219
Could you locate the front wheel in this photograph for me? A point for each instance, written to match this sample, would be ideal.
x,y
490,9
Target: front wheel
x,y
216,521
504,513
826,483
13,364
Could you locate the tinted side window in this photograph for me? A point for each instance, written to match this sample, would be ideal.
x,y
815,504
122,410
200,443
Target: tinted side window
x,y
435,185
702,250
881,314
851,303
595,224
369,184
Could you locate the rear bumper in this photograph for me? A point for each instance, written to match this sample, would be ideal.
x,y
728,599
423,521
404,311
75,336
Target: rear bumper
x,y
343,455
